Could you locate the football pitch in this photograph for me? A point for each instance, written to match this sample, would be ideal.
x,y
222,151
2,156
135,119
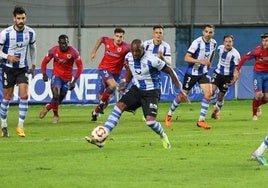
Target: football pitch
x,y
56,155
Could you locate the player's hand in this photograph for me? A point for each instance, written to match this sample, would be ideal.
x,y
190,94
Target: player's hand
x,y
32,71
72,85
185,97
122,85
12,58
45,77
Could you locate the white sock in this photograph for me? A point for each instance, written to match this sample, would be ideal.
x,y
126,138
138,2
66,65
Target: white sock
x,y
4,123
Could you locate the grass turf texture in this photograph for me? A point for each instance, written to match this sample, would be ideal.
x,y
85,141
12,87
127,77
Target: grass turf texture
x,y
56,155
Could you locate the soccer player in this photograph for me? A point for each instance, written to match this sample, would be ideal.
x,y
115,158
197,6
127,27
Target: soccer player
x,y
259,153
260,76
199,57
64,57
144,70
16,42
110,66
223,74
157,46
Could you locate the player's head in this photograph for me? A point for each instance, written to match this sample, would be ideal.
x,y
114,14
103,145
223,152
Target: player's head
x,y
208,32
19,17
158,34
228,42
265,40
137,48
63,43
118,36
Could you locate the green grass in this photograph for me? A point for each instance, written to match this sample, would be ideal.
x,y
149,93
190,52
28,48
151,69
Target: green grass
x,y
56,155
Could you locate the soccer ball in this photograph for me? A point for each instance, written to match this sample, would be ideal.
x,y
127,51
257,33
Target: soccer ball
x,y
100,133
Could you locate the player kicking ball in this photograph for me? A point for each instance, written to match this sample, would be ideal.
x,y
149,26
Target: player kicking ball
x,y
144,70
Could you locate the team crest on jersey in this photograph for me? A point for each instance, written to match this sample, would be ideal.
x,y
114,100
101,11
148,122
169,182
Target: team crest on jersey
x,y
69,56
119,49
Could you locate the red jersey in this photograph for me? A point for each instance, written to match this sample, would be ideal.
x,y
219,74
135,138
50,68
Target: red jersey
x,y
113,59
63,62
261,59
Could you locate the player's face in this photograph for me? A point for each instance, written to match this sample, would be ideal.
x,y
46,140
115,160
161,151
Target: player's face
x,y
158,35
265,43
64,45
137,51
228,43
118,38
19,21
208,33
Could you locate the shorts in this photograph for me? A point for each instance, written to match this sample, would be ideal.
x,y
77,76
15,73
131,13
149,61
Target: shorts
x,y
57,82
14,76
260,81
190,80
221,80
136,98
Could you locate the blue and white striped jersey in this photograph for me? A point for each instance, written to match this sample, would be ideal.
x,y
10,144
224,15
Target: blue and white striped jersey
x,y
227,60
17,43
200,50
146,71
164,47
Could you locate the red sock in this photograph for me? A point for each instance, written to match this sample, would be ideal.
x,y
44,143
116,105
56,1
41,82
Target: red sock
x,y
255,106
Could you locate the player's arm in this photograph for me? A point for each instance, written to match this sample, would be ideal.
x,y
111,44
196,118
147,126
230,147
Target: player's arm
x,y
172,75
95,49
165,56
246,57
125,81
79,65
44,63
32,48
189,59
10,58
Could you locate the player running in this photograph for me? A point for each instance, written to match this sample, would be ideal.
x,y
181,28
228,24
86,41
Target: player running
x,y
16,42
110,66
223,74
64,57
144,70
199,57
260,76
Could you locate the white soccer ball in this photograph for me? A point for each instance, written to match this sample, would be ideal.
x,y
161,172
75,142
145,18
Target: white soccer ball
x,y
100,133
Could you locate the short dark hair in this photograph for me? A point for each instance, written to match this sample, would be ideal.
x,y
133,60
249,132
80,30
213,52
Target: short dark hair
x,y
18,10
119,30
158,27
64,37
209,26
228,36
264,35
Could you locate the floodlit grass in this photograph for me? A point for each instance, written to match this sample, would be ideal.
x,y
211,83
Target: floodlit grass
x,y
56,155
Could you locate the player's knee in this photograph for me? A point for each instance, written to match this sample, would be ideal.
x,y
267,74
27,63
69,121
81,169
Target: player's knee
x,y
122,106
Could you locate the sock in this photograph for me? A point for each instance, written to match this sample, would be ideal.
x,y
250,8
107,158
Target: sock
x,y
263,147
214,98
20,124
113,118
156,127
173,106
254,107
4,123
54,105
204,109
4,108
23,109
